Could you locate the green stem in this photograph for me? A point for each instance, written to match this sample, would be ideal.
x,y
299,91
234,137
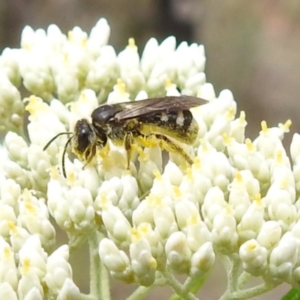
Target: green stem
x,y
243,278
140,293
248,293
193,284
99,279
234,274
178,287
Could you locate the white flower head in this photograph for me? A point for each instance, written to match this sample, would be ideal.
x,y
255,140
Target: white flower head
x,y
155,189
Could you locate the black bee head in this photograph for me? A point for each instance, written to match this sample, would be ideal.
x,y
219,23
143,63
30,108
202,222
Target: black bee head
x,y
86,139
84,136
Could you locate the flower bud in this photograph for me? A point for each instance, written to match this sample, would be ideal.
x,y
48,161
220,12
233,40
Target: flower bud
x,y
178,253
115,260
283,258
202,260
254,257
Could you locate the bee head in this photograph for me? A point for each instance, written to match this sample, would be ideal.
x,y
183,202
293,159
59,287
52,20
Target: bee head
x,y
84,140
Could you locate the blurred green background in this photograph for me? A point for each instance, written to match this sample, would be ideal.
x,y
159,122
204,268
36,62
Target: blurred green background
x,y
252,48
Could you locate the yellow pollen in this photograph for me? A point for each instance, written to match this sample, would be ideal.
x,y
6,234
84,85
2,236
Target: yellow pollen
x,y
153,263
157,175
279,156
227,139
26,46
12,227
142,155
154,200
193,219
74,39
197,163
35,105
189,173
168,82
26,265
249,145
243,118
7,252
238,177
144,228
286,126
135,235
177,191
251,246
120,87
284,183
230,114
30,207
53,172
104,202
71,178
257,199
228,210
264,127
131,44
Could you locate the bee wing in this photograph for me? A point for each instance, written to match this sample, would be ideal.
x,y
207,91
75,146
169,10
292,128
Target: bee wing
x,y
162,104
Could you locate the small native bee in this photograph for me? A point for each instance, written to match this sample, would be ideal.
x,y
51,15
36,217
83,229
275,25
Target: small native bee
x,y
150,123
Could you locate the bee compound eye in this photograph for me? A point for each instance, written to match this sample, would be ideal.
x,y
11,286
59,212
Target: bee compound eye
x,y
83,140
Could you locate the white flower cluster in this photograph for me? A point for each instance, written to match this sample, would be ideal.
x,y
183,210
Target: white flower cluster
x,y
238,201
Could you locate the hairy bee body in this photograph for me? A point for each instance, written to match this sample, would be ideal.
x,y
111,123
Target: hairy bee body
x,y
153,122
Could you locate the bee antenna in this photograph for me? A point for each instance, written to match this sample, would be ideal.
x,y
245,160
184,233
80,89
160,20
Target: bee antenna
x,y
64,154
54,138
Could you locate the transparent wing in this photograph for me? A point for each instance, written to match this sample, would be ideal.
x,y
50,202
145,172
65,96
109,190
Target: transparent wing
x,y
162,104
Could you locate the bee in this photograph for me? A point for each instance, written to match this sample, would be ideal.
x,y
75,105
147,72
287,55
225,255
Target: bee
x,y
163,122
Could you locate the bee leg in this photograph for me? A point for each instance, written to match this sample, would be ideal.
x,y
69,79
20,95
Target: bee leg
x,y
89,154
170,146
128,141
104,150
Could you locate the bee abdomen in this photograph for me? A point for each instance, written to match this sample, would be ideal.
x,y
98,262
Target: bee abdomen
x,y
180,125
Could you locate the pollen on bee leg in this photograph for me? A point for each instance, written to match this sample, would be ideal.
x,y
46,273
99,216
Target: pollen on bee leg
x,y
103,152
